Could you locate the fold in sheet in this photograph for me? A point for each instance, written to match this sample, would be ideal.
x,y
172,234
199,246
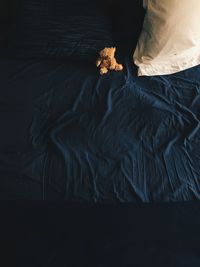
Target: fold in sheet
x,y
116,138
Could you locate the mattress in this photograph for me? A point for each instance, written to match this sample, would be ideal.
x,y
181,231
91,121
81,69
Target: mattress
x,y
68,133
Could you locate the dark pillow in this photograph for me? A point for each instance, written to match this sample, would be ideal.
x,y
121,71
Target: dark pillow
x,y
60,29
127,21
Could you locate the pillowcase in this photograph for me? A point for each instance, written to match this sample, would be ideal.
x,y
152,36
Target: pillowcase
x,y
170,39
58,29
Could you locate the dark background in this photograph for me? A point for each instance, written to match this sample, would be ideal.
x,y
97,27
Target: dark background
x,y
7,14
38,234
7,9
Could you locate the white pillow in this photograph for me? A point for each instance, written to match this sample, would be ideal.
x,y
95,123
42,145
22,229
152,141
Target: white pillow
x,y
170,39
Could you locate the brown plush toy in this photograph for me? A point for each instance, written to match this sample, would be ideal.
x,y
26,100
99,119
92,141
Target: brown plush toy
x,y
107,61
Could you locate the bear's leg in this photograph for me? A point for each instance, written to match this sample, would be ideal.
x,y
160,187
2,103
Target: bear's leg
x,y
103,70
118,67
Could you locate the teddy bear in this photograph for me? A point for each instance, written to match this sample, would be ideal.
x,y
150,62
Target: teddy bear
x,y
106,60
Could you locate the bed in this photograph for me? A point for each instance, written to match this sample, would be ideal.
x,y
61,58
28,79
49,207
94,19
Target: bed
x,y
99,170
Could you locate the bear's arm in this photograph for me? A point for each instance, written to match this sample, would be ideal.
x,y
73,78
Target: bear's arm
x,y
98,62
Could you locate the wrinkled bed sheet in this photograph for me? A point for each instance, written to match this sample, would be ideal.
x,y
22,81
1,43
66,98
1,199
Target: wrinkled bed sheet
x,y
67,133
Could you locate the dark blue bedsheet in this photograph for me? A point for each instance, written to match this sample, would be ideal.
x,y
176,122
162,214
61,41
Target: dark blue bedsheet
x,y
68,133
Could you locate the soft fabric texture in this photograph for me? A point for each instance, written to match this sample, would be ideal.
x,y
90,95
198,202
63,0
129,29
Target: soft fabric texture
x,y
170,39
60,29
68,133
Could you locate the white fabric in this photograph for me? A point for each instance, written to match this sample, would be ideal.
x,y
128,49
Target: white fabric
x,y
170,39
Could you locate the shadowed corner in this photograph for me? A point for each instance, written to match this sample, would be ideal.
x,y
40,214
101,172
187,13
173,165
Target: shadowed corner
x,y
126,32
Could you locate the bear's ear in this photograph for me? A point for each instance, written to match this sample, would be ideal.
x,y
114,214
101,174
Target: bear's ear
x,y
103,52
113,49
